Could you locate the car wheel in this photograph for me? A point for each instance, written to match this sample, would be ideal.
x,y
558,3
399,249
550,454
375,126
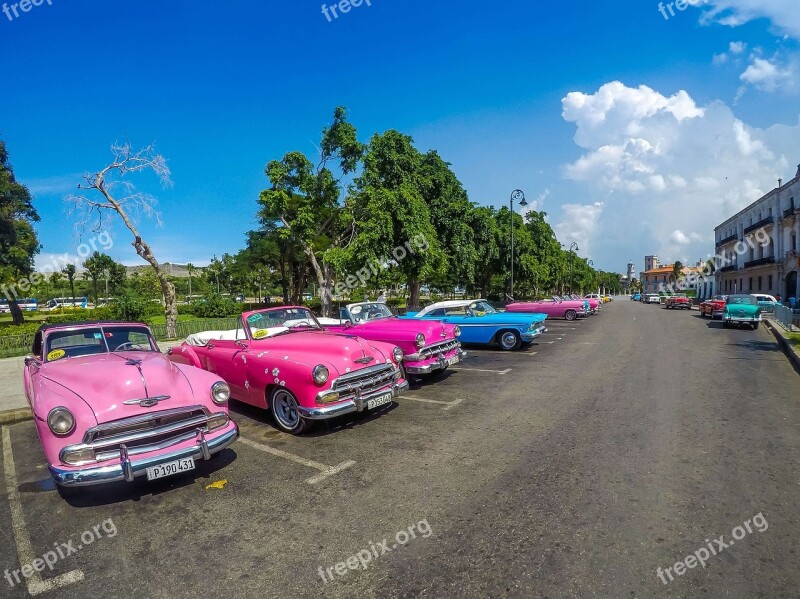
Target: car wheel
x,y
510,340
725,324
755,325
570,315
285,411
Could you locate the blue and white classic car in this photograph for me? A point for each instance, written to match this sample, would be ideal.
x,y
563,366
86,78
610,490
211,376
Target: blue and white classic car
x,y
481,324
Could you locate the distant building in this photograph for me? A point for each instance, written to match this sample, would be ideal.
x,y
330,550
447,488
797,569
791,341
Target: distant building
x,y
651,263
747,266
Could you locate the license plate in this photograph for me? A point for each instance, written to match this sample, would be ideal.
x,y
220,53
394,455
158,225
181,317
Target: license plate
x,y
170,468
379,401
453,360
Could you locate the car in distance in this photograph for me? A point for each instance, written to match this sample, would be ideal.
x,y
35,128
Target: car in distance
x,y
766,302
481,324
713,307
741,310
283,360
636,297
109,406
556,307
652,298
679,301
428,346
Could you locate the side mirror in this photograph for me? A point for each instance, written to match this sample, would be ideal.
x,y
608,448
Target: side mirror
x,y
32,360
347,324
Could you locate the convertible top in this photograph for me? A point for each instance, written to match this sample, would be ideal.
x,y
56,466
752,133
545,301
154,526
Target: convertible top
x,y
94,323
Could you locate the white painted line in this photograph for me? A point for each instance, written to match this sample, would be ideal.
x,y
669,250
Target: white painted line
x,y
548,342
36,585
323,468
531,353
499,372
449,405
330,472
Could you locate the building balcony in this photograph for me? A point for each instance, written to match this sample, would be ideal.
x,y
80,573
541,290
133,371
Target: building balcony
x,y
727,268
728,239
760,262
788,212
762,223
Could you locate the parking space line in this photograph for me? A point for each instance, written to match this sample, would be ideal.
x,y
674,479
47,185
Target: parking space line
x,y
36,584
449,405
325,471
499,372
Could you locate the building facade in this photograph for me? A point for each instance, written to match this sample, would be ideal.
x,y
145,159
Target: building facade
x,y
651,263
757,248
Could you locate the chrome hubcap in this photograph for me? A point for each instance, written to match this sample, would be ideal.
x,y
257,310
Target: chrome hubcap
x,y
509,340
284,406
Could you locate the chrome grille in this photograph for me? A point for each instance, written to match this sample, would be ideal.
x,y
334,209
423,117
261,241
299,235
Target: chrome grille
x,y
438,348
365,380
174,419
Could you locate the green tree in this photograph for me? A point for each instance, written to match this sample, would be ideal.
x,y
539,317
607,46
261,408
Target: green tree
x,y
18,241
303,203
95,267
69,271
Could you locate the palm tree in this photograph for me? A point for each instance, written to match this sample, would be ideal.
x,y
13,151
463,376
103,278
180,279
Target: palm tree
x,y
191,268
677,272
69,272
56,279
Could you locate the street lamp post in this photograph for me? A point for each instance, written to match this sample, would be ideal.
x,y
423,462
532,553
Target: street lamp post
x,y
519,196
590,263
573,247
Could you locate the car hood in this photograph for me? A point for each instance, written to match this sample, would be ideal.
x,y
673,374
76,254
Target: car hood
x,y
106,381
396,329
337,350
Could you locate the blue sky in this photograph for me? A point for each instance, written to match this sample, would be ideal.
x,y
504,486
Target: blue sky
x,y
515,94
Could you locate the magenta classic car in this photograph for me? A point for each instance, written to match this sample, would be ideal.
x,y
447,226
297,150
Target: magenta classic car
x,y
428,346
554,308
109,406
595,304
283,360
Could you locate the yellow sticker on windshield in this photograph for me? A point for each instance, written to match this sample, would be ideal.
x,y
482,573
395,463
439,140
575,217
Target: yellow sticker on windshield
x,y
260,334
56,354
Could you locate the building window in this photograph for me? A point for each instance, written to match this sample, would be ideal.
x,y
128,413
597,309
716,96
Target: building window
x,y
741,284
751,284
759,283
770,282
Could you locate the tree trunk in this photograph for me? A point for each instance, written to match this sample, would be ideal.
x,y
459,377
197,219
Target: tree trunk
x,y
16,312
413,292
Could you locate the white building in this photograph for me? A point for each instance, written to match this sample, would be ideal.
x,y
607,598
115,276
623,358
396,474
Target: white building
x,y
747,266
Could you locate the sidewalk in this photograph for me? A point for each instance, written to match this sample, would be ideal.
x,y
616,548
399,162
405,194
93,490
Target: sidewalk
x,y
782,335
11,369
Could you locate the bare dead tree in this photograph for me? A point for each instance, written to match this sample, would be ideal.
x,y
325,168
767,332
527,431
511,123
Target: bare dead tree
x,y
96,213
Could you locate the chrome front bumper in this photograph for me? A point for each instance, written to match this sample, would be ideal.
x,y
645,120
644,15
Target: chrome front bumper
x,y
358,404
128,469
439,364
529,336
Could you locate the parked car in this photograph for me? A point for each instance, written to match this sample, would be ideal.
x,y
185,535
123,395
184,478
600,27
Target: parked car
x,y
554,308
767,303
741,310
283,360
595,304
481,324
109,406
652,298
428,346
678,301
713,307
636,297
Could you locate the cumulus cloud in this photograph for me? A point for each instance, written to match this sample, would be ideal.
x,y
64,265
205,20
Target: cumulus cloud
x,y
783,14
767,75
579,223
665,170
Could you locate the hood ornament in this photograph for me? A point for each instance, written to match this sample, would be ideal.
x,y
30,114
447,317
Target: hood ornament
x,y
147,402
364,360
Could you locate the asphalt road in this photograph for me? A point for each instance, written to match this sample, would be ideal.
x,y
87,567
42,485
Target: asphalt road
x,y
619,445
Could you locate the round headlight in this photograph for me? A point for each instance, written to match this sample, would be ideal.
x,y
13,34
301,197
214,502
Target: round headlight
x,y
397,354
220,392
320,374
61,421
420,340
457,331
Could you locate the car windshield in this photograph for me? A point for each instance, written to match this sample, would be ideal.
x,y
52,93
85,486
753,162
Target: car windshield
x,y
480,308
268,323
372,311
73,343
742,299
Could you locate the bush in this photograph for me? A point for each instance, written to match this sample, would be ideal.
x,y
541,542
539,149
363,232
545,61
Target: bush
x,y
216,306
78,315
19,329
130,307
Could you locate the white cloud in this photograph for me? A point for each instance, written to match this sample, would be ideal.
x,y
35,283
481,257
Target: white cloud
x,y
783,14
767,75
737,47
579,224
667,170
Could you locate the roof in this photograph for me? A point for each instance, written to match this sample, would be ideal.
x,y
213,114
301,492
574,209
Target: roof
x,y
95,323
454,303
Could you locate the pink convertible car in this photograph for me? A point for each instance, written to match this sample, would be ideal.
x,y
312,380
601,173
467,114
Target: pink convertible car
x,y
109,406
554,308
283,360
429,346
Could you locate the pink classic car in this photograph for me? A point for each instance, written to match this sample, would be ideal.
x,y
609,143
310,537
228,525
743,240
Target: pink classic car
x,y
595,304
283,360
109,406
429,346
554,308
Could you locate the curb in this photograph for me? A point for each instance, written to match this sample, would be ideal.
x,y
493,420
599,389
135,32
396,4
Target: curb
x,y
790,352
8,417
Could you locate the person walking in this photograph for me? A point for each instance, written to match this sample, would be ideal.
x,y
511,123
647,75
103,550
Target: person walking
x,y
382,298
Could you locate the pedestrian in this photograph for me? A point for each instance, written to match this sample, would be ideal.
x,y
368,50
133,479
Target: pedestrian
x,y
778,298
792,302
382,298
